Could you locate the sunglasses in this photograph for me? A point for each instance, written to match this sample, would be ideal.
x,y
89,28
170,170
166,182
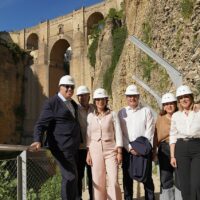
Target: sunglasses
x,y
69,86
132,96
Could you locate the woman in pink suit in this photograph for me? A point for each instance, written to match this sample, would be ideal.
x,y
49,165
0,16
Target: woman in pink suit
x,y
104,142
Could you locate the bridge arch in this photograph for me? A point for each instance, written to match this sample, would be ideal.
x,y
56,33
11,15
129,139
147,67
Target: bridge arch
x,y
93,20
59,63
32,42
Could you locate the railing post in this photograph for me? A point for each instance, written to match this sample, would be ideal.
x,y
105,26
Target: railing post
x,y
19,178
23,156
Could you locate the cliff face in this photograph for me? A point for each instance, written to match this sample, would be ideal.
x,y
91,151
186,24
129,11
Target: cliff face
x,y
103,54
163,25
11,87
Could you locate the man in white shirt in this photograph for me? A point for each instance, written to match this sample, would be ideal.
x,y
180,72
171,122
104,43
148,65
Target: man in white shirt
x,y
84,108
135,121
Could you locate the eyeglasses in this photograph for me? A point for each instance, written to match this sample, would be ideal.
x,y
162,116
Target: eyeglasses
x,y
69,86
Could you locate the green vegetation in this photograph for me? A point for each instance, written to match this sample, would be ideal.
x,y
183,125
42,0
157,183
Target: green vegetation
x,y
119,34
148,65
178,37
8,184
95,32
146,62
147,33
119,37
187,8
17,53
163,80
51,189
198,87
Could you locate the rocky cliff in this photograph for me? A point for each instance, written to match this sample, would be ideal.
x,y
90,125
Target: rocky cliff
x,y
171,28
12,65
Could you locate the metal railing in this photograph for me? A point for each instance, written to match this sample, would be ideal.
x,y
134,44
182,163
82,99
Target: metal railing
x,y
23,173
174,74
150,90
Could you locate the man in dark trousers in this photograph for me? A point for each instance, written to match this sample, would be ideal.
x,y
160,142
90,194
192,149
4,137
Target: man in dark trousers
x,y
84,108
136,121
59,119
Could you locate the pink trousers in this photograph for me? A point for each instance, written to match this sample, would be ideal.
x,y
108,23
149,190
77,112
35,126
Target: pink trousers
x,y
104,162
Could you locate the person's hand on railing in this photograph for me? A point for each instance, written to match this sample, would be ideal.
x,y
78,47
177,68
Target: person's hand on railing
x,y
35,146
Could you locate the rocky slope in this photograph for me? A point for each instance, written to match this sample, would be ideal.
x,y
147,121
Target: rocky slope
x,y
11,87
175,37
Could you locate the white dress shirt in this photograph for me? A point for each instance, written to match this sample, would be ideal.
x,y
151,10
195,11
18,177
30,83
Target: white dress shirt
x,y
184,126
135,123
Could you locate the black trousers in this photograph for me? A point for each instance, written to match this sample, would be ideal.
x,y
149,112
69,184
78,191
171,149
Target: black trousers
x,y
168,174
187,155
166,170
67,165
81,164
128,182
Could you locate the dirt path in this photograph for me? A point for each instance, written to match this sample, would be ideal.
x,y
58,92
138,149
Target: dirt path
x,y
138,187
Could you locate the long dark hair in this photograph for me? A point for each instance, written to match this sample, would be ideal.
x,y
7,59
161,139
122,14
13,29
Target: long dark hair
x,y
163,112
105,109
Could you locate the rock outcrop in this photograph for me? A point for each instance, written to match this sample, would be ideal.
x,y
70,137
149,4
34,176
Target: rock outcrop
x,y
11,95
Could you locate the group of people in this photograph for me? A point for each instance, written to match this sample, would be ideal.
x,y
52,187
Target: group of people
x,y
93,136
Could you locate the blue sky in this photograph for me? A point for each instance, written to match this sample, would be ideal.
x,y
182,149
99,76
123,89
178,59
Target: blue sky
x,y
19,14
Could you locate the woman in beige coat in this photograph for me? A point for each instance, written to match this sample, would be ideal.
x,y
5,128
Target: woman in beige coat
x,y
104,142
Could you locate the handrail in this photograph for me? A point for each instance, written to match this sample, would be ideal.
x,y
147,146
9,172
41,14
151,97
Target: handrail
x,y
174,74
10,147
147,88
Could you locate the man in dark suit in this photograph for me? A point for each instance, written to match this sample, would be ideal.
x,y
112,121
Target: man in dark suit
x,y
60,122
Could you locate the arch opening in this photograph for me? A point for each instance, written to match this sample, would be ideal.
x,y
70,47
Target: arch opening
x,y
60,57
93,21
32,42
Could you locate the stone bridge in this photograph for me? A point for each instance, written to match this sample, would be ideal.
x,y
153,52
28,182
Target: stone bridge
x,y
58,47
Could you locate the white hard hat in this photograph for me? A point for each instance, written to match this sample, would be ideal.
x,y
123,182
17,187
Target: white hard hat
x,y
168,97
66,80
100,93
82,90
182,90
131,90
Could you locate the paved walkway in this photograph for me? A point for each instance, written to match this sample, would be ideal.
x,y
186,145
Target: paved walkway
x,y
138,187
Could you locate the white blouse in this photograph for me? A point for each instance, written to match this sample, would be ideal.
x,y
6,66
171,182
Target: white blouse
x,y
184,126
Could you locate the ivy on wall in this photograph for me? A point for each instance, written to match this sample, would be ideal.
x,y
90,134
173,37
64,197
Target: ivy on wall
x,y
119,35
187,8
94,37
